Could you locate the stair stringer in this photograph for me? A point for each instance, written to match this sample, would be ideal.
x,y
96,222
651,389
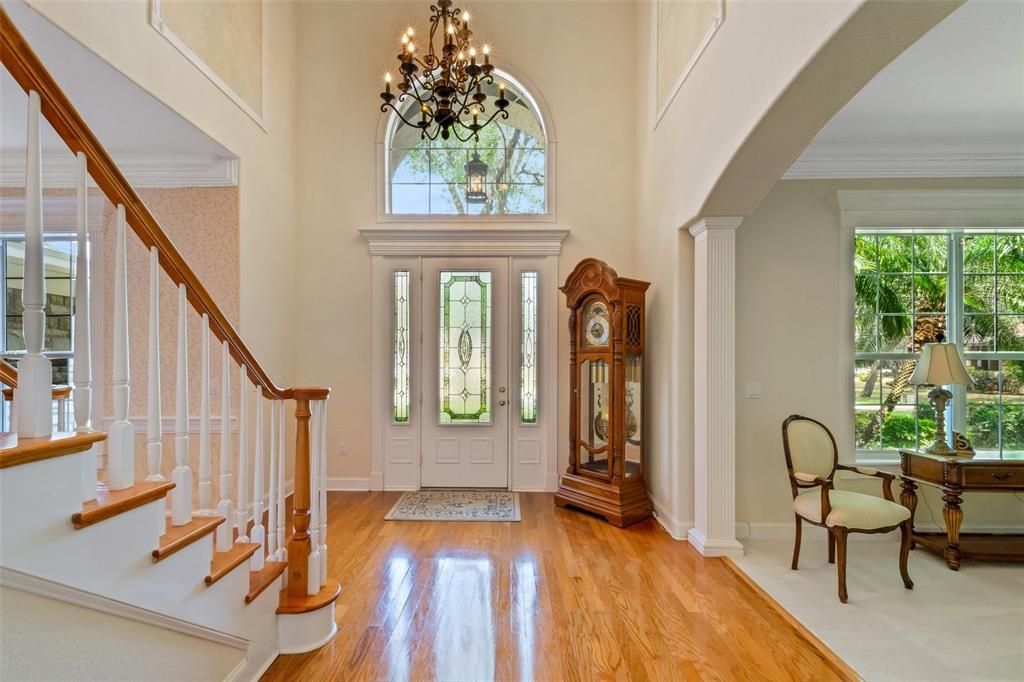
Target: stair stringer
x,y
113,558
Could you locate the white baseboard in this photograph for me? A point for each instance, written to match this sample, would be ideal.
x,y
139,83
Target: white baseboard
x,y
784,530
348,483
376,480
677,529
713,548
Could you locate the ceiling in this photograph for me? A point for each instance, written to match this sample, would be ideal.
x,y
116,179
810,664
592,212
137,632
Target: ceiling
x,y
129,122
954,101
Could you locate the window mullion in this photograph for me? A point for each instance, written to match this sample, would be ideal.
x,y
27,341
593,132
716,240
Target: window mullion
x,y
955,322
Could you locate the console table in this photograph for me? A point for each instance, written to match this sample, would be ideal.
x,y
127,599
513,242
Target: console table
x,y
983,473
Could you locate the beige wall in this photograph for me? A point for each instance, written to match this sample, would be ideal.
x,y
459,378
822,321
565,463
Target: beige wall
x,y
337,186
787,335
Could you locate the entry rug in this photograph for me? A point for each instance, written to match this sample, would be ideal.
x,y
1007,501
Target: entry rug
x,y
456,505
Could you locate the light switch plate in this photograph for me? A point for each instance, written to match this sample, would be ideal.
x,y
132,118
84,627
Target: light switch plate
x,y
753,390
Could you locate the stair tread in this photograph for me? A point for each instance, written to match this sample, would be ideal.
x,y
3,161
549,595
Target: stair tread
x,y
179,537
15,451
306,603
109,503
261,580
224,562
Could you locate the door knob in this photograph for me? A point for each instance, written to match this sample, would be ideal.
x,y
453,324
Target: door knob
x,y
501,403
501,389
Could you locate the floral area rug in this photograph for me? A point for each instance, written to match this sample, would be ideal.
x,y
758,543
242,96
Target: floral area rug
x,y
456,505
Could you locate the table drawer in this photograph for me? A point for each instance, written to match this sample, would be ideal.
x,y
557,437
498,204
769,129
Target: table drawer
x,y
994,476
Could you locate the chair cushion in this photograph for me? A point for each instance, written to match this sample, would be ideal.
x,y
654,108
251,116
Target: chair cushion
x,y
810,448
851,510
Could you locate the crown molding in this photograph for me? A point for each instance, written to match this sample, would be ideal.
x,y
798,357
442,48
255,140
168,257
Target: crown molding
x,y
141,170
463,241
839,160
931,208
727,223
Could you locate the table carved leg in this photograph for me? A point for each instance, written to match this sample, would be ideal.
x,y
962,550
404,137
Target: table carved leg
x,y
953,515
908,498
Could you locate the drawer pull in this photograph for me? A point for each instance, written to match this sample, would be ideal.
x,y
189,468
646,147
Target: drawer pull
x,y
1003,476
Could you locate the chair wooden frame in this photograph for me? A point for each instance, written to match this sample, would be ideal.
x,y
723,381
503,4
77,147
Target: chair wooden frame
x,y
837,535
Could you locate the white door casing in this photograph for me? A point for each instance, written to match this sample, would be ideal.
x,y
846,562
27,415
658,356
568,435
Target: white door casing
x,y
396,449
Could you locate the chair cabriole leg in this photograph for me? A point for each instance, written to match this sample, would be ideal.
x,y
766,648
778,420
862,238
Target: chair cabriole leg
x,y
905,535
796,542
840,540
831,548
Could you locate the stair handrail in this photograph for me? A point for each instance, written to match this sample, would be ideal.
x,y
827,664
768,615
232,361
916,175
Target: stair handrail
x,y
27,69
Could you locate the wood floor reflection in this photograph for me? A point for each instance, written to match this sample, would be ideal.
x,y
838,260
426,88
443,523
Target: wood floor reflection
x,y
559,596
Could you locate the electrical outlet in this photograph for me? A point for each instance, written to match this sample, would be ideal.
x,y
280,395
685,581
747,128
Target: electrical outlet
x,y
753,390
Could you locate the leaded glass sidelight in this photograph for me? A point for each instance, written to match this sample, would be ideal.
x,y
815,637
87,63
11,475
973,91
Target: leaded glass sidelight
x,y
465,347
400,351
528,349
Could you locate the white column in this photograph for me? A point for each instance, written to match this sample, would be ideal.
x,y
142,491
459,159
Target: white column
x,y
323,493
272,510
258,531
35,375
82,392
313,571
181,494
224,507
242,501
205,483
714,442
121,435
282,516
154,411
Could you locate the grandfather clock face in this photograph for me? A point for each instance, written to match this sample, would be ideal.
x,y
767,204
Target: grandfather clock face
x,y
596,324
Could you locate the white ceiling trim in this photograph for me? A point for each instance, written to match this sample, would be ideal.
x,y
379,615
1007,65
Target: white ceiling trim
x,y
930,208
141,170
417,241
856,160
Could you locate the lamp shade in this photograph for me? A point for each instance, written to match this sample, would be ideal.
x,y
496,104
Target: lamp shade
x,y
941,365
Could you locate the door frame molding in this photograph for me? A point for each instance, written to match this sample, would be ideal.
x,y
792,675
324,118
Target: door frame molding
x,y
402,248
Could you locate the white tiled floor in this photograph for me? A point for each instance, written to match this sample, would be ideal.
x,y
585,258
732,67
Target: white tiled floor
x,y
966,625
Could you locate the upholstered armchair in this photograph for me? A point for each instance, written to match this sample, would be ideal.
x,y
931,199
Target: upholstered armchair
x,y
812,460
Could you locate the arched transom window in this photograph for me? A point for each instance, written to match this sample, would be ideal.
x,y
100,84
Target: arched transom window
x,y
432,177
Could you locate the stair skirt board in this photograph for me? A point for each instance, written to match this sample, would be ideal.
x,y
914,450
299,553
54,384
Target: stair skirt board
x,y
302,632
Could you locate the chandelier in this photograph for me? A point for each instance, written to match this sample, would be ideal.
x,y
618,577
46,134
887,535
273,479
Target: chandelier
x,y
446,83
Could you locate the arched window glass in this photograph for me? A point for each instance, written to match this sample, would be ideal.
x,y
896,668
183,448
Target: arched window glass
x,y
429,177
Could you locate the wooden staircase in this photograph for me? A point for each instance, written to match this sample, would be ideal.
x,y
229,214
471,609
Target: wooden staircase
x,y
243,531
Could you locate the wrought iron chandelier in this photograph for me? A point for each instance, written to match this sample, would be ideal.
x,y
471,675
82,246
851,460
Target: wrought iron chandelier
x,y
447,84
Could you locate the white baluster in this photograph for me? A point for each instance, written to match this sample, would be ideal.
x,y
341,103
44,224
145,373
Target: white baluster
x,y
154,413
35,374
224,507
181,494
62,414
313,565
121,435
323,493
258,531
272,510
282,516
205,484
242,503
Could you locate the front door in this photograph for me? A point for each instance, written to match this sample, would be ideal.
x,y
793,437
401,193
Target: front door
x,y
464,372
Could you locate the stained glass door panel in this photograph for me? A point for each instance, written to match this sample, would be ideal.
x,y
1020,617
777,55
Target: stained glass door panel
x,y
464,331
465,318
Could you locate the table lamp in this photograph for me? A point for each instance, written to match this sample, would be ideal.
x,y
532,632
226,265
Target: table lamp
x,y
940,365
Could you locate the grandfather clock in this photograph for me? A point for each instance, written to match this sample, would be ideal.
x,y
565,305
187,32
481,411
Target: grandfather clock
x,y
606,395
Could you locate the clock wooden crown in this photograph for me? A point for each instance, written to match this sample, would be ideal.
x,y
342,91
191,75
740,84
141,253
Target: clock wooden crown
x,y
606,422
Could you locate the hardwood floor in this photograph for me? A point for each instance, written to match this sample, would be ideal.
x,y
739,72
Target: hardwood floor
x,y
559,596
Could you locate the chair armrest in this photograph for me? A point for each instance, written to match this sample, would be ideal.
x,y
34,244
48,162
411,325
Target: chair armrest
x,y
826,486
886,477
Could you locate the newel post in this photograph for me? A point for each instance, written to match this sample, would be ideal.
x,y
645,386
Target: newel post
x,y
299,544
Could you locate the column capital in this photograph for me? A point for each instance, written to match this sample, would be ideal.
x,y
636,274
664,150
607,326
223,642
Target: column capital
x,y
723,223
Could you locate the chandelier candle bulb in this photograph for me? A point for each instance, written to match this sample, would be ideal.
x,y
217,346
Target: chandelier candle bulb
x,y
487,55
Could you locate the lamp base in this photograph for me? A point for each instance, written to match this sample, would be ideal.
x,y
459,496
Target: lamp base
x,y
941,448
938,397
